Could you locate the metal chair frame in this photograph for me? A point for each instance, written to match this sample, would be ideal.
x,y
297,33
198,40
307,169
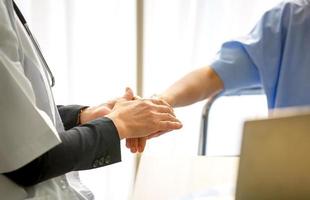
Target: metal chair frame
x,y
203,136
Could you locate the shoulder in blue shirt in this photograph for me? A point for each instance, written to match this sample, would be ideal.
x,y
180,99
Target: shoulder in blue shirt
x,y
275,55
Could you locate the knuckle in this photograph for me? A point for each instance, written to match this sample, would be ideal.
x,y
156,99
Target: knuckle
x,y
162,102
157,101
166,116
169,116
168,109
147,103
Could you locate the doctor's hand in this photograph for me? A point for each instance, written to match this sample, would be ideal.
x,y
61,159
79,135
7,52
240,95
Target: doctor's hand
x,y
102,110
138,144
142,117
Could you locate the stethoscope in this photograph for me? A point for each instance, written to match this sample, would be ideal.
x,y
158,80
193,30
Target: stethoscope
x,y
35,43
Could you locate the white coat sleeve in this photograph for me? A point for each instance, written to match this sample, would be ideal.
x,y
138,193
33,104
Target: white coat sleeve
x,y
25,131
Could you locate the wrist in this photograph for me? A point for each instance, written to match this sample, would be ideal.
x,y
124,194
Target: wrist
x,y
118,123
81,114
166,98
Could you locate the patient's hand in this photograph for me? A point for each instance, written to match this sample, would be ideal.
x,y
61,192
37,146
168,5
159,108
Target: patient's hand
x,y
136,144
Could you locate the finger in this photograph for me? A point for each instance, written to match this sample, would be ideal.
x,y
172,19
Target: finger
x,y
141,144
169,125
134,145
164,109
110,104
133,150
128,94
160,102
157,134
128,144
165,117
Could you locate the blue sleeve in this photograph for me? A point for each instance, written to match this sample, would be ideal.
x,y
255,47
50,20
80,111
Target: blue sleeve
x,y
254,60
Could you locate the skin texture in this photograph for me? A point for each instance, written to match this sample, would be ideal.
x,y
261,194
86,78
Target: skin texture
x,y
138,144
142,117
195,86
135,118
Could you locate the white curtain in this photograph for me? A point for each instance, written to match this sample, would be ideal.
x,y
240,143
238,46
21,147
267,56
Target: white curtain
x,y
90,47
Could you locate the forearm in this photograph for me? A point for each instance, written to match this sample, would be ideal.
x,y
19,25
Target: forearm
x,y
92,145
193,87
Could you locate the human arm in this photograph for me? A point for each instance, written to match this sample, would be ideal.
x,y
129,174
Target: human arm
x,y
195,86
89,146
251,61
133,110
97,143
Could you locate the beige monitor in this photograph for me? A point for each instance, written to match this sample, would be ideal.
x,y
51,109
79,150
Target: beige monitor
x,y
275,159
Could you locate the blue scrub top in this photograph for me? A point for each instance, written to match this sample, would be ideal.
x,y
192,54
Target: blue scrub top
x,y
274,56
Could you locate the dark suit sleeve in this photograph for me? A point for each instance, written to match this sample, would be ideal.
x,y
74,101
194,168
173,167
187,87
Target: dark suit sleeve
x,y
89,146
69,115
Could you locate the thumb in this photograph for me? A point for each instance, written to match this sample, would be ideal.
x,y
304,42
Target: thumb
x,y
128,94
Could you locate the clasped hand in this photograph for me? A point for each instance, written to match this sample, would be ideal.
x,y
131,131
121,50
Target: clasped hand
x,y
135,119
